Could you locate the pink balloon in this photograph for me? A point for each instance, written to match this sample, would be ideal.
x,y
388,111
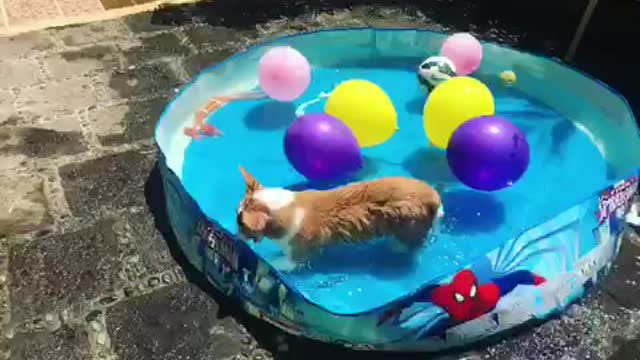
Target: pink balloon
x,y
284,73
464,50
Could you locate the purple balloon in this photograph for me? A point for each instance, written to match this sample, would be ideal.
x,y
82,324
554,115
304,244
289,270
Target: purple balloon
x,y
488,153
322,148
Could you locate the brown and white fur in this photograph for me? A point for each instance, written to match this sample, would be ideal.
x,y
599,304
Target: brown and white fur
x,y
303,223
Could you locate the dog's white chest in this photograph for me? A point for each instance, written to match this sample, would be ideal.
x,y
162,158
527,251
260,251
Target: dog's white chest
x,y
275,198
285,262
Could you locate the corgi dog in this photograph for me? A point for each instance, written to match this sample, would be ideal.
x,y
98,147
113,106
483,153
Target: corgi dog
x,y
305,222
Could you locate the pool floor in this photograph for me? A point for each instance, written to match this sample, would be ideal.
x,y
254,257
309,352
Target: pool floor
x,y
565,168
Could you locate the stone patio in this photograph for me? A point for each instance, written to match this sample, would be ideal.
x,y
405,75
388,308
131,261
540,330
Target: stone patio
x,y
88,267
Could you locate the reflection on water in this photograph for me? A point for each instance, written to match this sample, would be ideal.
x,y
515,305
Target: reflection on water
x,y
270,115
430,165
470,212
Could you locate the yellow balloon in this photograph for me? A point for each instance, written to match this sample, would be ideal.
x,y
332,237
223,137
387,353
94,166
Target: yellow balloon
x,y
365,109
451,104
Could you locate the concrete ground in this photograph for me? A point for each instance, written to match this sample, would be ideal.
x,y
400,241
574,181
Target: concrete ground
x,y
19,16
87,266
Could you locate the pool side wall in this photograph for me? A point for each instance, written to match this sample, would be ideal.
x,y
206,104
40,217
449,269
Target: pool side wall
x,y
529,277
535,275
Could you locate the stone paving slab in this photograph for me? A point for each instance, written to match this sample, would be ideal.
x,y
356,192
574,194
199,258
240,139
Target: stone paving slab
x,y
72,63
125,123
23,204
60,96
62,344
90,193
97,33
40,143
56,272
156,47
178,322
88,267
24,45
140,82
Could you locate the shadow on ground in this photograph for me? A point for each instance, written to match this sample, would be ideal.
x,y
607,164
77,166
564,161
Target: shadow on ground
x,y
503,21
604,51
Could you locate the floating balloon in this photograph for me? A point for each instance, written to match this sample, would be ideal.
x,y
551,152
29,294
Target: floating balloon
x,y
464,50
284,73
488,153
452,103
365,109
321,147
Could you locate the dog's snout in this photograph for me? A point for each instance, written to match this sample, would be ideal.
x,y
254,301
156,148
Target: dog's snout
x,y
239,218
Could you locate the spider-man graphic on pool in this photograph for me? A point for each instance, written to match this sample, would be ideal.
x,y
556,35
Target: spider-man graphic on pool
x,y
464,299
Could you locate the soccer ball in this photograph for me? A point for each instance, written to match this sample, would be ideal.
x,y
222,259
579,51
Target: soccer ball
x,y
434,71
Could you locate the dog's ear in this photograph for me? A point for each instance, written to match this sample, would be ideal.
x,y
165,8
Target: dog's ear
x,y
256,221
252,184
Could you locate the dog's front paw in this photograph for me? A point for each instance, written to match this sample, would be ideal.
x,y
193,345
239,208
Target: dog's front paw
x,y
284,264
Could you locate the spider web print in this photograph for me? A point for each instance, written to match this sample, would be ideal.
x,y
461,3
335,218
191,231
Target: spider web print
x,y
515,253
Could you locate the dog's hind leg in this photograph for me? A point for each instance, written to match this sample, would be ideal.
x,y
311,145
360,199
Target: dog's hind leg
x,y
409,237
414,224
413,234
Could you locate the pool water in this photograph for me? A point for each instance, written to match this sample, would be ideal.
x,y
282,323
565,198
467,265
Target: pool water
x,y
565,168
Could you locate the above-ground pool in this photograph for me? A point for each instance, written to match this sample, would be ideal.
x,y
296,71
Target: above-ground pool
x,y
503,257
